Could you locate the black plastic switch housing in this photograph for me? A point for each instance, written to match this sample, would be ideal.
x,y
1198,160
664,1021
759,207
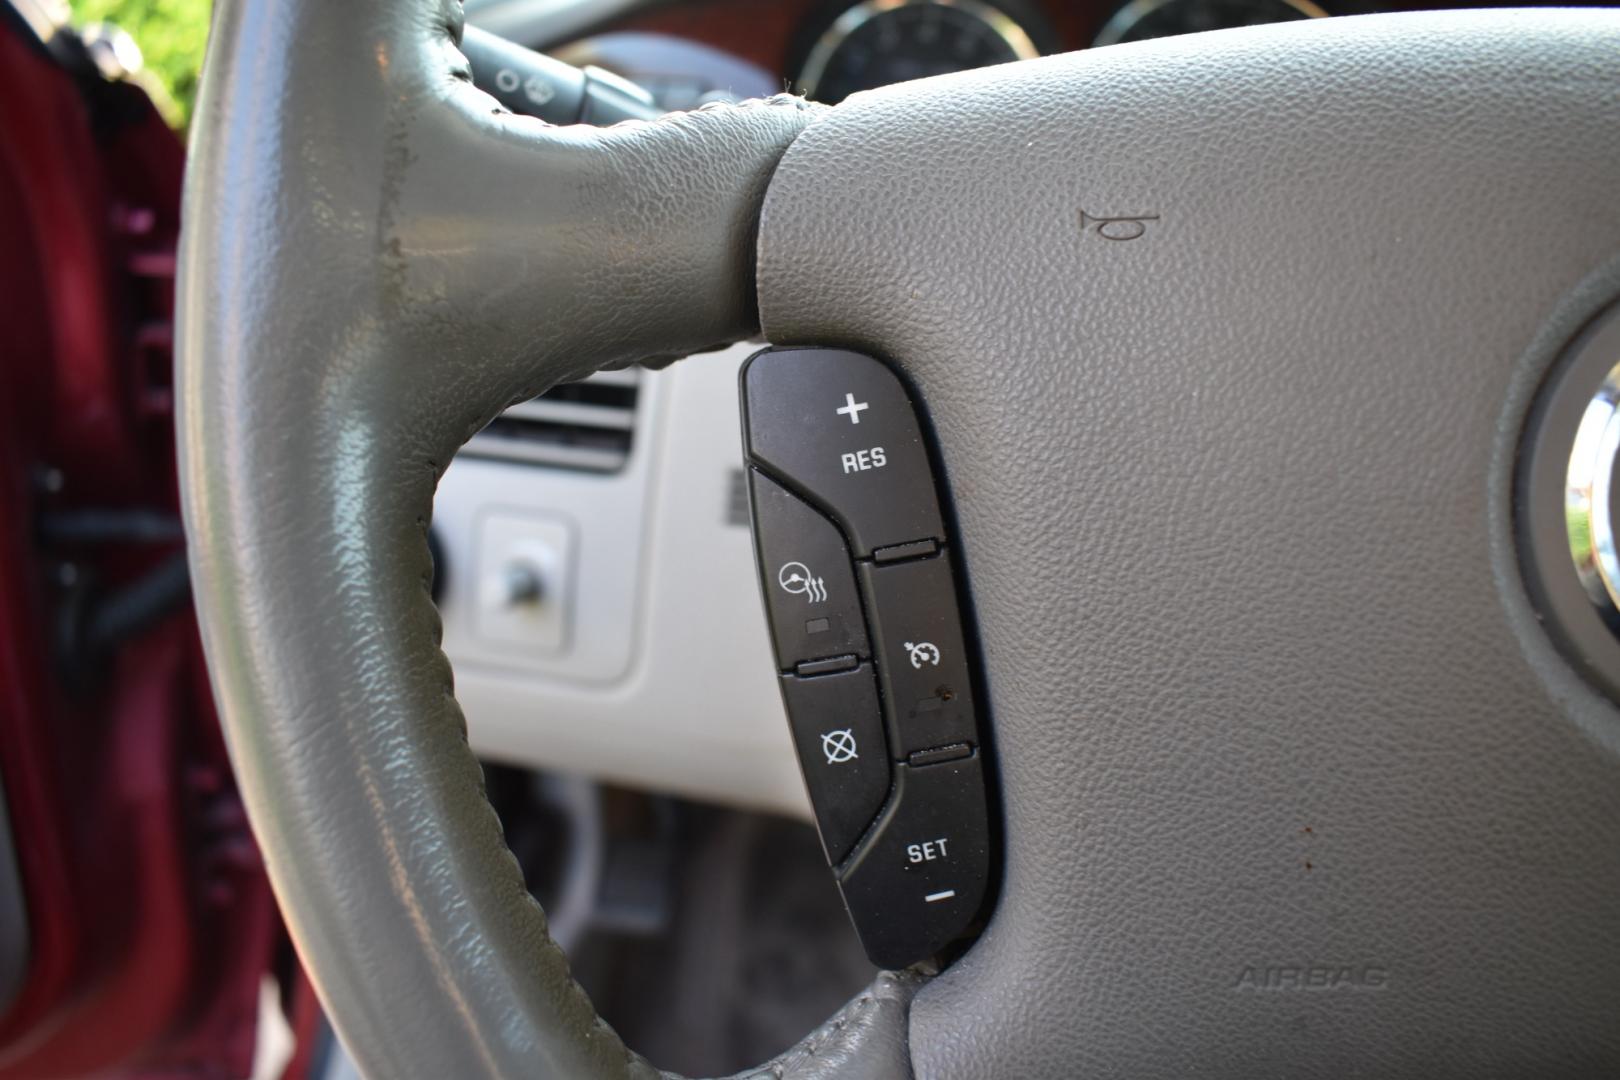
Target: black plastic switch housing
x,y
840,427
842,752
855,566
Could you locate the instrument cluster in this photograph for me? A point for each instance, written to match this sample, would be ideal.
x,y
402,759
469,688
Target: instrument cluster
x,y
829,49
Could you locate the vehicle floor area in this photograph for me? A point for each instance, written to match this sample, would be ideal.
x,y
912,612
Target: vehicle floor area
x,y
715,939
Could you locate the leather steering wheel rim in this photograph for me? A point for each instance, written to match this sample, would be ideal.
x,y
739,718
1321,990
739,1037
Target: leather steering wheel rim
x,y
342,135
376,261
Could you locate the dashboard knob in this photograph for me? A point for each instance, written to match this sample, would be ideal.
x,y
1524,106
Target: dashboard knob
x,y
524,585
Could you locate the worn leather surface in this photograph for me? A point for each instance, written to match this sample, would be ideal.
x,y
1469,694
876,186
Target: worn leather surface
x,y
1293,783
375,262
866,1040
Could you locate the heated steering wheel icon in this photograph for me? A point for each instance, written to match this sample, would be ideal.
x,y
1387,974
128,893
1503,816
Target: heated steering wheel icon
x,y
797,580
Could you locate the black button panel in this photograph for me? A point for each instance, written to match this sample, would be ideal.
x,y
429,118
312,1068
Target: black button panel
x,y
840,427
810,594
858,579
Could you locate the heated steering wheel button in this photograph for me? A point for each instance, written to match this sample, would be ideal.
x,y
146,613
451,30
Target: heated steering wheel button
x,y
922,659
841,426
842,752
815,612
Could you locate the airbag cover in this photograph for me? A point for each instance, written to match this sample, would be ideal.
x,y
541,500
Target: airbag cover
x,y
1292,782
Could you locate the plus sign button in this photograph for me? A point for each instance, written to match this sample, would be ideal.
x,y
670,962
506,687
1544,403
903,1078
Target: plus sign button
x,y
841,427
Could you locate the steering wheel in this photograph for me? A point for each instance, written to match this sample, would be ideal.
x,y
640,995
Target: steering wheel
x,y
1293,775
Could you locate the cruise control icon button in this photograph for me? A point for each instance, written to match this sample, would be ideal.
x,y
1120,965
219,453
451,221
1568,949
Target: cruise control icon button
x,y
838,733
922,660
839,746
924,652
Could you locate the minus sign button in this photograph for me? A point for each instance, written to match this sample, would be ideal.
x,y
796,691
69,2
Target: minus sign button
x,y
934,898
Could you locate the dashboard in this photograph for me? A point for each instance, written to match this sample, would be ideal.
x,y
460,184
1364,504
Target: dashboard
x,y
827,49
596,572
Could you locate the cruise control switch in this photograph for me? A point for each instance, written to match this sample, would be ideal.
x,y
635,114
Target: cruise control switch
x,y
861,597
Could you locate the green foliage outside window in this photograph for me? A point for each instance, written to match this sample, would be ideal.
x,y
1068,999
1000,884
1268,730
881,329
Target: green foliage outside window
x,y
171,34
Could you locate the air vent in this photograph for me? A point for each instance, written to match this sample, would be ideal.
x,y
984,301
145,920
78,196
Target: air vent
x,y
581,425
737,498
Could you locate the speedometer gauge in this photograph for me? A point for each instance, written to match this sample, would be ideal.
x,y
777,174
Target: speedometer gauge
x,y
1143,19
878,42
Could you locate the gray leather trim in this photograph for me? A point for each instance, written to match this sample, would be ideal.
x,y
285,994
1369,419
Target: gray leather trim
x,y
1292,783
866,1040
376,261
